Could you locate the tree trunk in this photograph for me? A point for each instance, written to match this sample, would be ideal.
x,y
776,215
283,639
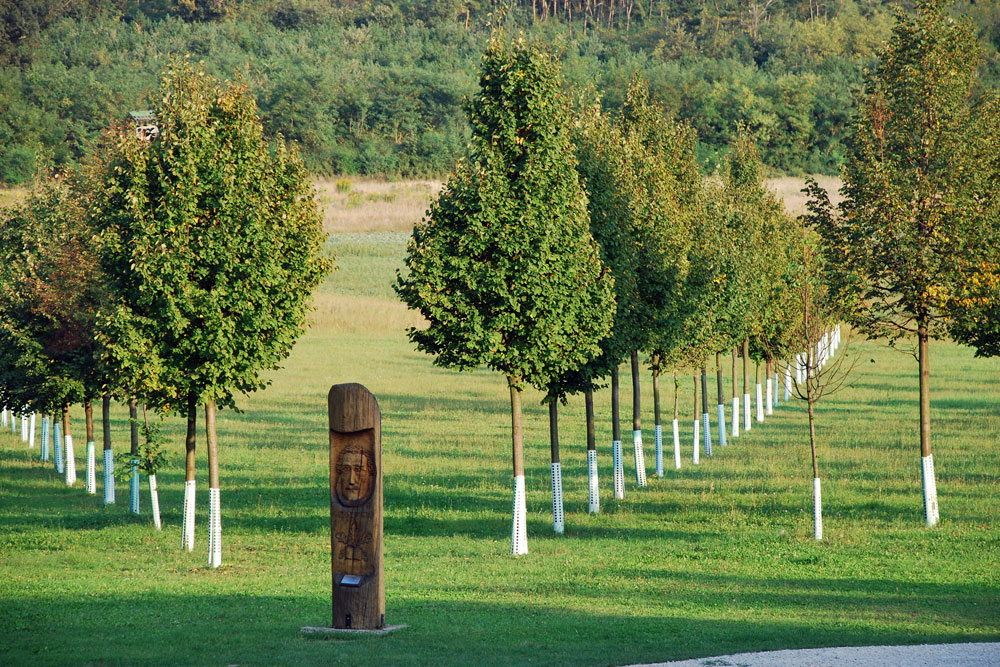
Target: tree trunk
x,y
616,438
214,505
657,428
736,401
90,479
706,423
817,493
677,435
696,453
519,532
70,456
133,417
558,524
154,502
593,497
109,456
929,484
768,396
46,435
638,453
187,525
747,423
57,445
760,395
721,407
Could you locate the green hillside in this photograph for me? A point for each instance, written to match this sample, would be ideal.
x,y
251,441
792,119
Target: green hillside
x,y
377,88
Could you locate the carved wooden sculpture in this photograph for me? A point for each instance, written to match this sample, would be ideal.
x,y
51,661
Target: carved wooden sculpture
x,y
356,508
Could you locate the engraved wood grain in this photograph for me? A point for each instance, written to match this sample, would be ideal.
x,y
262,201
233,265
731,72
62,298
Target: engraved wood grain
x,y
356,508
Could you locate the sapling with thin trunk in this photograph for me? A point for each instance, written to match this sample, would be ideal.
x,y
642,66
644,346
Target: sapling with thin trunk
x,y
68,449
638,455
677,435
616,438
819,380
133,423
736,401
109,457
593,490
91,475
721,406
696,454
706,424
657,428
558,520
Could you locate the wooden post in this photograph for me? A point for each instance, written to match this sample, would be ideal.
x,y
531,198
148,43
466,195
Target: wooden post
x,y
356,508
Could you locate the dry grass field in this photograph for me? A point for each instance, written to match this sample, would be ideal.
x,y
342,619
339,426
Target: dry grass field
x,y
789,189
351,204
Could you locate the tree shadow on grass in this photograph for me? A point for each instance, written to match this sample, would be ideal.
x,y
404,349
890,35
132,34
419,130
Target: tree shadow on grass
x,y
249,627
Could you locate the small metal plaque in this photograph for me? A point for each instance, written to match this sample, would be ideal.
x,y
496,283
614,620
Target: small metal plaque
x,y
350,580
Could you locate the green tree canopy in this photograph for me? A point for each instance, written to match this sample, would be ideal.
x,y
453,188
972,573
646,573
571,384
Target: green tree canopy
x,y
504,267
212,261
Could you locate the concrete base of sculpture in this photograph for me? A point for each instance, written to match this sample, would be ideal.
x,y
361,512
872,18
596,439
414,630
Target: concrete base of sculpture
x,y
348,632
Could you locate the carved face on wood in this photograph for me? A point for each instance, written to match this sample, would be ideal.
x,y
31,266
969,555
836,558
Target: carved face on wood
x,y
355,476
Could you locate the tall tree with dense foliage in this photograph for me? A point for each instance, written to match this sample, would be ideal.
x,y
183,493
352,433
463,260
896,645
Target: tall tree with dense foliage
x,y
659,230
211,240
914,192
504,268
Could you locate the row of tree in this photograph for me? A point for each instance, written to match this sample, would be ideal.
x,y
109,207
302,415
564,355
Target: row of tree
x,y
567,242
170,270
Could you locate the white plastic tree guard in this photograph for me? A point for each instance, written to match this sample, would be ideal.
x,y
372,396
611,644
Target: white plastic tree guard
x,y
109,477
696,454
616,456
215,529
90,476
593,495
640,458
677,446
519,530
930,490
658,441
722,425
558,516
817,510
187,521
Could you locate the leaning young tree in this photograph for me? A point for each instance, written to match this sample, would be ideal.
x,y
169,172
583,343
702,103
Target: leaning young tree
x,y
914,190
212,244
504,268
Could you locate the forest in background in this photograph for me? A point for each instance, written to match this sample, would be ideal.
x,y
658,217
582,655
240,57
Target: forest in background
x,y
378,88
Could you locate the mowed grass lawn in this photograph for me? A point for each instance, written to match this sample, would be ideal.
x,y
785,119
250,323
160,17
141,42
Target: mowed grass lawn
x,y
711,559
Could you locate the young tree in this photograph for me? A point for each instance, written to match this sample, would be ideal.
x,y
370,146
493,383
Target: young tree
x,y
504,268
914,192
602,169
662,194
211,240
52,292
819,310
